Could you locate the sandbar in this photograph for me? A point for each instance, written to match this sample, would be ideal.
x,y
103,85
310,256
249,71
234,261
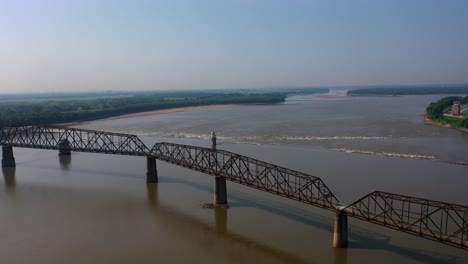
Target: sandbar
x,y
170,110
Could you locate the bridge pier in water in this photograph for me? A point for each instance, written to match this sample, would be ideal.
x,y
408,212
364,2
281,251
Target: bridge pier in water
x,y
220,195
64,147
8,160
340,234
151,170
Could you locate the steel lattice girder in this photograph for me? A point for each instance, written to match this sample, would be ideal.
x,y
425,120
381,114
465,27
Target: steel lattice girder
x,y
439,221
83,140
248,171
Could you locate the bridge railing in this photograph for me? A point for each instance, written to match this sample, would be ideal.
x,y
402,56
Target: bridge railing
x,y
248,171
439,221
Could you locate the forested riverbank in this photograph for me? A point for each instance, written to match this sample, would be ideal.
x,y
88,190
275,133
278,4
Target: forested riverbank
x,y
66,108
52,111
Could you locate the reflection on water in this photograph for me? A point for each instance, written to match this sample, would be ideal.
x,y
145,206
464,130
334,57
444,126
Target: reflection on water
x,y
216,238
340,255
65,161
152,192
221,220
9,175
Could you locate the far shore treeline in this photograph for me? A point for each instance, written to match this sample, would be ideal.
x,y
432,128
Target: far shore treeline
x,y
435,111
410,90
55,109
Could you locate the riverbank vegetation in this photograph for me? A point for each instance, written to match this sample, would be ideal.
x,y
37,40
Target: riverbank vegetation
x,y
410,90
66,108
436,110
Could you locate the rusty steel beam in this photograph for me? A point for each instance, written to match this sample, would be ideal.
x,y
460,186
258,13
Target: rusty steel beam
x,y
438,221
81,140
250,172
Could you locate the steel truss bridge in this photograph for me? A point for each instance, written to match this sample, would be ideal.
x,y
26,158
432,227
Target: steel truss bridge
x,y
438,221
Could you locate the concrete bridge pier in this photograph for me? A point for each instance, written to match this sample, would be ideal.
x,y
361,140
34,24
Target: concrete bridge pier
x,y
151,170
220,195
8,160
340,234
64,147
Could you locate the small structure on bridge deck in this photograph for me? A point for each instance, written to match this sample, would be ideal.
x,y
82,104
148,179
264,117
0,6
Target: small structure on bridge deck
x,y
340,234
151,170
456,108
213,140
8,160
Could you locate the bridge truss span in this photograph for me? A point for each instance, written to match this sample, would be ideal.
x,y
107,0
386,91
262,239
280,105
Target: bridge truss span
x,y
74,139
443,222
250,172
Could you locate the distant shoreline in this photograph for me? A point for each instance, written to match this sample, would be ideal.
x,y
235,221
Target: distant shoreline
x,y
169,110
396,95
413,90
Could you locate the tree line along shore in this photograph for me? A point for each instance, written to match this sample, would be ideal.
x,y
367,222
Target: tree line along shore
x,y
410,90
68,108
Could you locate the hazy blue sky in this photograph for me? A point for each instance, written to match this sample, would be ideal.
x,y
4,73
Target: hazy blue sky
x,y
97,45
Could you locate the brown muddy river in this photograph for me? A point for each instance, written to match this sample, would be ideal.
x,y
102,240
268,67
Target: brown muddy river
x,y
96,208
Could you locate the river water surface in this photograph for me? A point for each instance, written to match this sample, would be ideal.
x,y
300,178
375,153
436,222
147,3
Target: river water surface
x,y
95,208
